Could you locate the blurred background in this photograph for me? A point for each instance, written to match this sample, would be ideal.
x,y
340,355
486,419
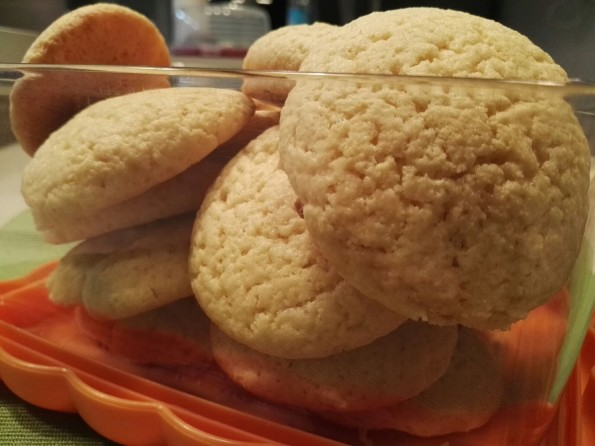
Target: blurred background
x,y
224,29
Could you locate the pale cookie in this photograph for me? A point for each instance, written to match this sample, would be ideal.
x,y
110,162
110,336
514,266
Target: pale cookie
x,y
281,49
127,272
173,335
389,370
464,398
180,194
183,193
119,148
101,34
451,204
258,276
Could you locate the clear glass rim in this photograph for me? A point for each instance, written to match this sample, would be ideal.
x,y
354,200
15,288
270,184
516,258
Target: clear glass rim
x,y
8,71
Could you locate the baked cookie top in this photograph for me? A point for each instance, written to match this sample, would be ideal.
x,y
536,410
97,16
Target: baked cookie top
x,y
259,277
182,193
447,203
285,48
120,147
388,370
431,42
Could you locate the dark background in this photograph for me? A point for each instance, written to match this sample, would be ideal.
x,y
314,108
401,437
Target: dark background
x,y
327,10
563,28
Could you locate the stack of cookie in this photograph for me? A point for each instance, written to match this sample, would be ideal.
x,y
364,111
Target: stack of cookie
x,y
349,252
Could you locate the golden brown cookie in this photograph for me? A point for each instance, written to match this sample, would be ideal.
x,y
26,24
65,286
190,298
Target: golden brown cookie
x,y
464,398
182,193
100,34
119,148
281,49
389,370
446,202
258,276
127,272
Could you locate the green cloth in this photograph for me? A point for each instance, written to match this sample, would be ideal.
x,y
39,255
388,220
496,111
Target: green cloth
x,y
22,247
23,424
21,250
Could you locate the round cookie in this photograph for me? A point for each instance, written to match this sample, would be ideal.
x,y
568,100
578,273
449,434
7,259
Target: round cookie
x,y
126,272
451,204
258,276
102,34
464,398
386,371
182,193
119,148
281,49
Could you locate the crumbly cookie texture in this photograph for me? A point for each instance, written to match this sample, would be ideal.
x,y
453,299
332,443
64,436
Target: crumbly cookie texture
x,y
281,49
101,33
120,147
126,272
431,42
464,398
389,370
449,203
258,276
285,48
182,193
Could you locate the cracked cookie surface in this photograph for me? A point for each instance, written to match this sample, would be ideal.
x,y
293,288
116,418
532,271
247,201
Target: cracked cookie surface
x,y
121,147
259,277
448,203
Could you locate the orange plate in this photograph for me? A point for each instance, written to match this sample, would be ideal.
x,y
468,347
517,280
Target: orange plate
x,y
117,404
129,409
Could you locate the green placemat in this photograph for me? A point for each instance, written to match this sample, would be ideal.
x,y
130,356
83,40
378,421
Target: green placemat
x,y
22,247
21,250
23,424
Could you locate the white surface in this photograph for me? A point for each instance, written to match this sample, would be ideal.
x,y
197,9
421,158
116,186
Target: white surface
x,y
12,162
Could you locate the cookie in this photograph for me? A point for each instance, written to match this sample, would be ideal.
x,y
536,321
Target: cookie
x,y
259,277
388,370
101,34
464,398
173,335
127,272
281,49
446,203
182,193
285,48
119,148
